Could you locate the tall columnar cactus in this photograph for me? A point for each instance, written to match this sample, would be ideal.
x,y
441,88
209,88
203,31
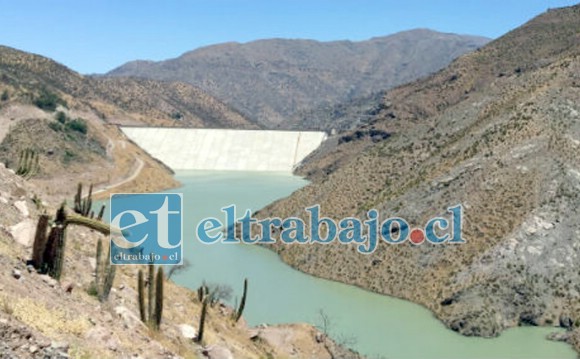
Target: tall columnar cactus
x,y
48,249
152,312
40,238
242,302
53,258
202,292
141,296
104,273
158,313
28,163
101,213
202,317
83,205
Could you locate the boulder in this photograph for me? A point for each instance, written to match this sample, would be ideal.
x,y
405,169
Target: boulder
x,y
23,232
187,331
130,319
566,321
22,208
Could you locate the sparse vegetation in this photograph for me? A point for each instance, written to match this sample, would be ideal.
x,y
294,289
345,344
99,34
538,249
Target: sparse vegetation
x,y
151,312
104,273
48,101
28,163
240,310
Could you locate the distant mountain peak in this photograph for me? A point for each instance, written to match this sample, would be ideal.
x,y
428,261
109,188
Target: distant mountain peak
x,y
271,80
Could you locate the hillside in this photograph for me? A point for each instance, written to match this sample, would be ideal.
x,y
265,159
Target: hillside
x,y
58,128
24,75
41,317
497,131
272,80
69,122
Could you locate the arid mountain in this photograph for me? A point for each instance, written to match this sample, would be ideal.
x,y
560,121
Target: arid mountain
x,y
497,131
272,80
68,121
24,75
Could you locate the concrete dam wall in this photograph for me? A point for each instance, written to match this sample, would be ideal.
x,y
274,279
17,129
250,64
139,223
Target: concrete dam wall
x,y
234,150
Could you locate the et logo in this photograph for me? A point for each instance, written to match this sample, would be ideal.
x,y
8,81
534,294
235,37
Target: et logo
x,y
151,228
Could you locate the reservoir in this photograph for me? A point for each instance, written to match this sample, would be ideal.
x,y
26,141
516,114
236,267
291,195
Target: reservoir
x,y
374,325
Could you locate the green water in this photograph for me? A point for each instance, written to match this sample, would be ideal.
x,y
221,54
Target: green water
x,y
382,326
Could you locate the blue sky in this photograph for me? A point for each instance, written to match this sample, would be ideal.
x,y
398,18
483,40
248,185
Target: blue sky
x,y
96,36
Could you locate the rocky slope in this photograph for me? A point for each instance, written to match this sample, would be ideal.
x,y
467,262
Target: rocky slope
x,y
69,122
271,80
43,318
497,131
60,129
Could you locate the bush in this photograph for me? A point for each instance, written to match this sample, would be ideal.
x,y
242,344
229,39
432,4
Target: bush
x,y
55,126
61,117
4,96
78,125
48,101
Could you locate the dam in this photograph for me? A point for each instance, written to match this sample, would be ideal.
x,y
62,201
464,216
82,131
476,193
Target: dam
x,y
226,149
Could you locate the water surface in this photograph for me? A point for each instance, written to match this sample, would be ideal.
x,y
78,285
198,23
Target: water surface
x,y
380,326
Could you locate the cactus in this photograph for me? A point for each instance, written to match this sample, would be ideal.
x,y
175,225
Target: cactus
x,y
141,296
150,291
83,205
110,271
53,257
48,251
104,273
89,223
101,213
152,313
202,292
98,269
202,317
28,163
40,238
158,299
242,302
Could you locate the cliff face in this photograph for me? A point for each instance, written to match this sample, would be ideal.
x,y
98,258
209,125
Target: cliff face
x,y
497,131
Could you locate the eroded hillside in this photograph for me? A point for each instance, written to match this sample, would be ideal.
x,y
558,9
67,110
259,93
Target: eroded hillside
x,y
497,131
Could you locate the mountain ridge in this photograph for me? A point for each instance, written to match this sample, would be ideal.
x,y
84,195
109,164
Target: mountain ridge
x,y
498,131
289,75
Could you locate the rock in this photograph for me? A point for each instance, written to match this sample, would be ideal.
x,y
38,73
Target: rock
x,y
130,319
16,273
92,263
566,321
67,286
102,335
217,352
187,331
528,318
559,337
62,346
49,280
23,232
22,208
33,349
